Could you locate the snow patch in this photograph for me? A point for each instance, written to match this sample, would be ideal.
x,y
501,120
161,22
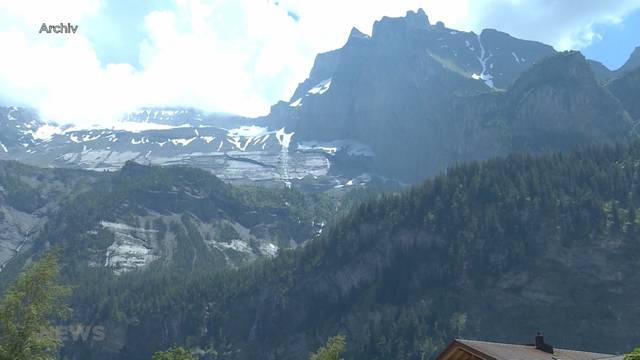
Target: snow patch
x,y
483,58
142,140
350,147
11,111
283,138
296,103
136,127
321,88
516,57
89,137
251,130
208,139
84,138
183,142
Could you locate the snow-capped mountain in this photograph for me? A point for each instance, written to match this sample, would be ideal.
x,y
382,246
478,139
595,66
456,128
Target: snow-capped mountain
x,y
424,97
405,103
169,137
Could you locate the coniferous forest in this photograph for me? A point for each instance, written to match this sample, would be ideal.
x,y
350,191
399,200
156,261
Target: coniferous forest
x,y
524,242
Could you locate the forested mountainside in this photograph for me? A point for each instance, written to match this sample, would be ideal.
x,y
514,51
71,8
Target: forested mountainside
x,y
28,197
626,88
494,250
183,218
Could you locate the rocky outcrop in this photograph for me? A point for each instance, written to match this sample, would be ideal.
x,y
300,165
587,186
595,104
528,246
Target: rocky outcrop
x,y
558,104
600,71
141,215
626,88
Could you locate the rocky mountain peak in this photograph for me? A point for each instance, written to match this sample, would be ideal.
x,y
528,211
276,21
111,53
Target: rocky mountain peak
x,y
565,67
417,19
561,94
633,62
357,37
355,33
391,26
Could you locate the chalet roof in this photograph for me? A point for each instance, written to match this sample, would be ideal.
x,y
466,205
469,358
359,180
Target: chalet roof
x,y
498,351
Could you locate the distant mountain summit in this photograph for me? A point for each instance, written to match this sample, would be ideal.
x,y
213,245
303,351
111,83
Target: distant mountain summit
x,y
603,73
626,88
424,97
632,63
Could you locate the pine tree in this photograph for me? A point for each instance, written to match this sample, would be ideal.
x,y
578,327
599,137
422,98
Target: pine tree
x,y
27,309
332,350
174,353
634,355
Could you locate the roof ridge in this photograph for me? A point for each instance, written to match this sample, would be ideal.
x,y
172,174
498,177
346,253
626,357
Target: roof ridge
x,y
604,357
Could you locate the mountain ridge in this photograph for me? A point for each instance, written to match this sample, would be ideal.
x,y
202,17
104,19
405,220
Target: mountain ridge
x,y
378,108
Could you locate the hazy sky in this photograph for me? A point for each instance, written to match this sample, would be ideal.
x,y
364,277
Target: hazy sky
x,y
241,56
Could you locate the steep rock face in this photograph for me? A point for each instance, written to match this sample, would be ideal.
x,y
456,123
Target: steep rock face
x,y
28,199
600,71
626,88
559,103
554,105
17,229
127,220
413,92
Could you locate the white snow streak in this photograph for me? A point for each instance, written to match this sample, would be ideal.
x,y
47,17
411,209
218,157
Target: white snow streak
x,y
484,76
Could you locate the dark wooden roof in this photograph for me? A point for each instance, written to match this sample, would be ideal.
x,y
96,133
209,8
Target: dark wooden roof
x,y
482,350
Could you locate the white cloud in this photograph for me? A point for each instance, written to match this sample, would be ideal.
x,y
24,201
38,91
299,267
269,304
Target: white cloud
x,y
234,56
565,24
186,60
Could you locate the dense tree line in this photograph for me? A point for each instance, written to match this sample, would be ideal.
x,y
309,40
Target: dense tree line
x,y
398,274
394,274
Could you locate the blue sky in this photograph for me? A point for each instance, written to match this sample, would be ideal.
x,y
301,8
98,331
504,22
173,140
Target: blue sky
x,y
241,56
615,41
